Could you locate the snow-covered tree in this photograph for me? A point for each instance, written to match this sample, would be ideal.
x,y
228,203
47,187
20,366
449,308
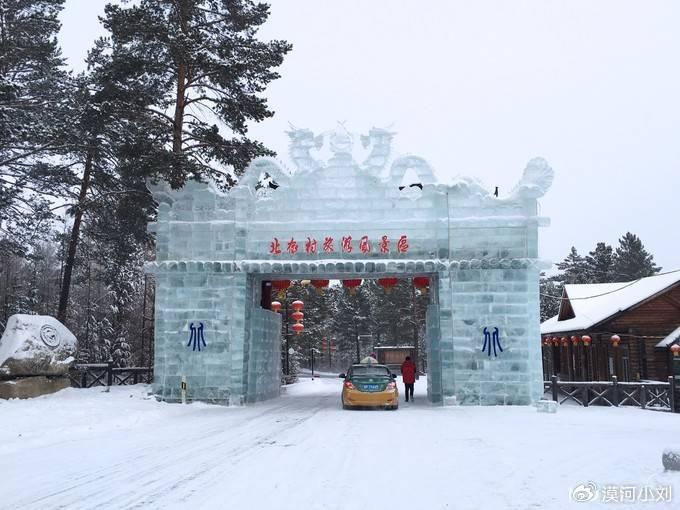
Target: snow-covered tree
x,y
550,296
632,260
600,264
574,268
198,66
32,83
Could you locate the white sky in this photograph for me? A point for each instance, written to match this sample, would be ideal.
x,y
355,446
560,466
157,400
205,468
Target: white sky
x,y
480,87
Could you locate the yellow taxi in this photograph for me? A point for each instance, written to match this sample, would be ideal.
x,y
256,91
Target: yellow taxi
x,y
369,385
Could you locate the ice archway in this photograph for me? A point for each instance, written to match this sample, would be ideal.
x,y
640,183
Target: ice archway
x,y
214,249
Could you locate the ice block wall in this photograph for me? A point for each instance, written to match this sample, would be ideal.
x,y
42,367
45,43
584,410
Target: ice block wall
x,y
361,212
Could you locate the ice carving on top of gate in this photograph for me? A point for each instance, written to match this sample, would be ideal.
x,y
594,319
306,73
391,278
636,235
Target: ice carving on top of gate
x,y
344,184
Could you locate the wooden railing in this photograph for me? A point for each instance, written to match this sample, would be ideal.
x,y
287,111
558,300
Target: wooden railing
x,y
662,396
88,375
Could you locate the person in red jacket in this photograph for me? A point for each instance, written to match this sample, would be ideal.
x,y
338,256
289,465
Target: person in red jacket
x,y
408,374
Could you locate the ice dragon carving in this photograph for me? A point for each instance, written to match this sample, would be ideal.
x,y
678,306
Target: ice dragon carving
x,y
379,142
302,141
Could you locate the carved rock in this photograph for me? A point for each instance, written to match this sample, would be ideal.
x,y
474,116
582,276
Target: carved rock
x,y
36,345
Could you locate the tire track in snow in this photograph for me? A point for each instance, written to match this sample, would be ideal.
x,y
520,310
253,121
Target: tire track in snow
x,y
107,485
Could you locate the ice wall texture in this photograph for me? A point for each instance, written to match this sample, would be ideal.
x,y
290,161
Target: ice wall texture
x,y
480,251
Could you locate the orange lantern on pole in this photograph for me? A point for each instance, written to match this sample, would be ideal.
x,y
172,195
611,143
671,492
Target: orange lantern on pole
x,y
586,340
351,284
298,328
280,286
297,305
387,283
421,283
276,306
297,316
615,340
319,285
675,349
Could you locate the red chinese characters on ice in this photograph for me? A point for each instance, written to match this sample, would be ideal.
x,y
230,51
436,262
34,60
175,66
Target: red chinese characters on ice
x,y
310,246
402,244
275,247
365,246
347,244
292,246
384,245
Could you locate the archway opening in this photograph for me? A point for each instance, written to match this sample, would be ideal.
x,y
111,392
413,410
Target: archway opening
x,y
325,325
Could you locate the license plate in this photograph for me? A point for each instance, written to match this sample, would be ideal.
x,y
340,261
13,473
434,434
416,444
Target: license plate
x,y
371,387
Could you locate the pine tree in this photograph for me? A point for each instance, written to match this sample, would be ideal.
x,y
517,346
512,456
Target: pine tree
x,y
632,260
32,80
199,68
600,264
550,296
574,268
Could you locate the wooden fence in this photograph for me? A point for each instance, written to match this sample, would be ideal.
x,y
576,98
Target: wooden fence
x,y
88,375
662,396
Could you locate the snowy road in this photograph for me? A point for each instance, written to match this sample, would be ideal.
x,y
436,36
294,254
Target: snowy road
x,y
91,449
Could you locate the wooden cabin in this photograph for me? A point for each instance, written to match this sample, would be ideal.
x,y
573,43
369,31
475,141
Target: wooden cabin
x,y
628,328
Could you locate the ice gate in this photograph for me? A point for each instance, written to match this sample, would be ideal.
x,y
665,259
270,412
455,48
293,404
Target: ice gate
x,y
341,216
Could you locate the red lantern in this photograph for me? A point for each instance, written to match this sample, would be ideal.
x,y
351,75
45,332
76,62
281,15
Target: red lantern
x,y
351,285
555,341
615,339
586,340
574,340
675,349
387,283
298,328
421,283
297,305
276,306
297,316
565,341
319,285
280,286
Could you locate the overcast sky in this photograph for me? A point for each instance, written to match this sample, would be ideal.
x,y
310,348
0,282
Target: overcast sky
x,y
480,87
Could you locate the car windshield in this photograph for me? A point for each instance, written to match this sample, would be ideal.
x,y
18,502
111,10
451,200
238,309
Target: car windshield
x,y
370,370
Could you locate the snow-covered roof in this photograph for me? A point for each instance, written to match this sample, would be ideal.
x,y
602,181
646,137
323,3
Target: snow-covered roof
x,y
593,303
670,339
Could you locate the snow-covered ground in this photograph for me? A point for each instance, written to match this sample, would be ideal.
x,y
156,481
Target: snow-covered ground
x,y
122,449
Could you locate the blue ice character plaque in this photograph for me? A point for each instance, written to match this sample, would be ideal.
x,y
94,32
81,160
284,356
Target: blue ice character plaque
x,y
492,340
196,337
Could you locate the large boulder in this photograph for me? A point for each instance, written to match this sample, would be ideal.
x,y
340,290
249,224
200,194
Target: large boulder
x,y
36,345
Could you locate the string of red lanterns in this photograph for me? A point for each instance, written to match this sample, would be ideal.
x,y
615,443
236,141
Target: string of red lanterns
x,y
548,340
